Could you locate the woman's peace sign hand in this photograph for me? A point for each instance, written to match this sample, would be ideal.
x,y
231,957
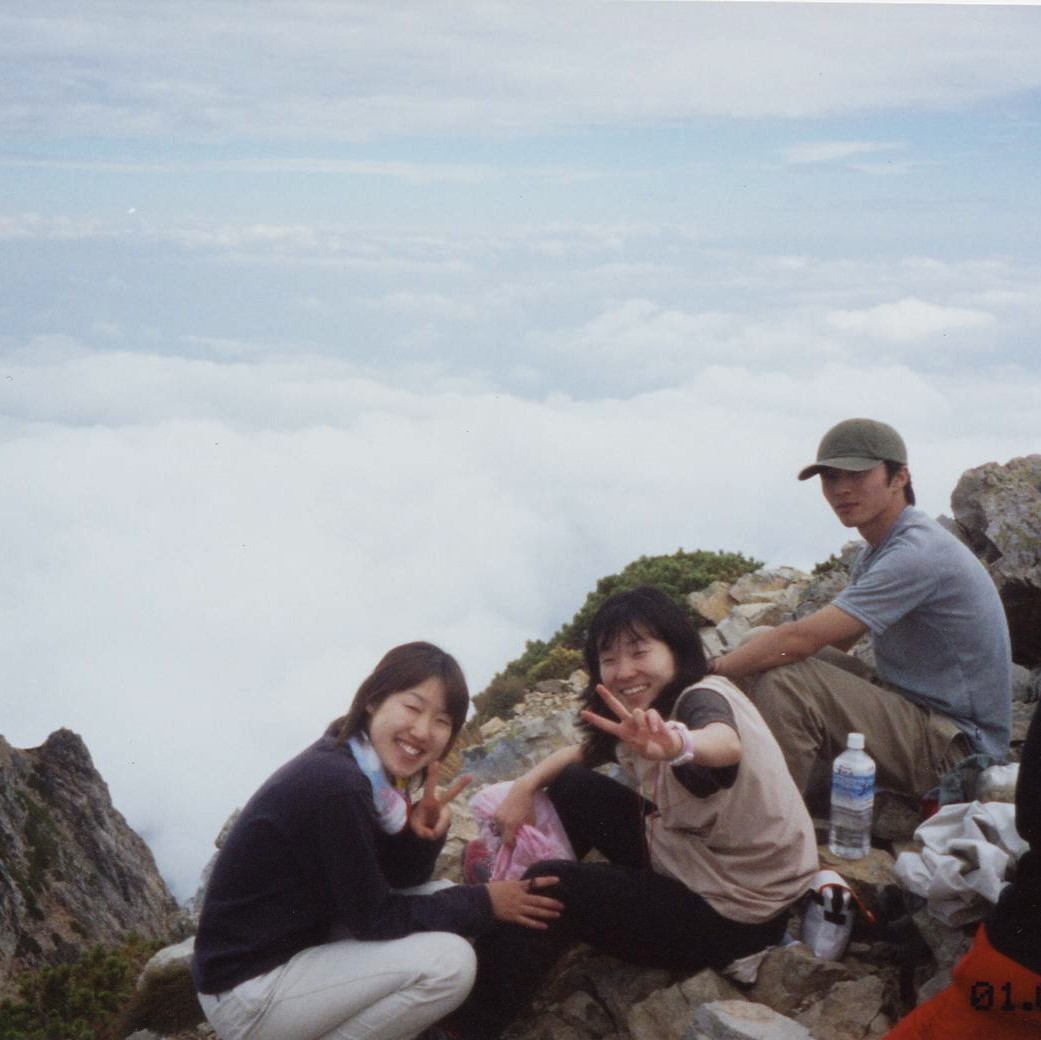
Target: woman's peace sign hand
x,y
644,730
431,816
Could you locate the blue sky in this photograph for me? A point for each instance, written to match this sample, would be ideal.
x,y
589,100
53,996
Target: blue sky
x,y
328,326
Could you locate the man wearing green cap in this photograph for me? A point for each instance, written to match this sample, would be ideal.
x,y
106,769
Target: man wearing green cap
x,y
938,630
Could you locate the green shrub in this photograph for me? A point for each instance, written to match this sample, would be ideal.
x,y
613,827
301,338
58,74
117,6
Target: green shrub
x,y
76,1001
832,563
559,663
499,697
678,574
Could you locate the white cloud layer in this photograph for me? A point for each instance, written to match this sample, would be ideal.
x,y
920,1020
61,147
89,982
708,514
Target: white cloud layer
x,y
908,320
492,68
832,151
218,561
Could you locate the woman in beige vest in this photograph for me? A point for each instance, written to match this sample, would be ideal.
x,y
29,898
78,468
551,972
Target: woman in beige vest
x,y
703,861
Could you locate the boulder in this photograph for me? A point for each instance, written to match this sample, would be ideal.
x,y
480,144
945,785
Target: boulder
x,y
781,585
165,998
667,1013
712,642
523,743
492,727
713,602
761,612
998,512
733,630
742,1020
851,1010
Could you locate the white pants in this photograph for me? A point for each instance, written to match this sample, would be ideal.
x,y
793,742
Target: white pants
x,y
350,990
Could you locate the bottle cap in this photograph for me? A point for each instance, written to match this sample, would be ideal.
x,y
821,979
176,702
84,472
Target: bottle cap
x,y
855,742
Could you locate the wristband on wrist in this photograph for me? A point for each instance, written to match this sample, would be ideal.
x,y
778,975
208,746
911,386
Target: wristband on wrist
x,y
686,753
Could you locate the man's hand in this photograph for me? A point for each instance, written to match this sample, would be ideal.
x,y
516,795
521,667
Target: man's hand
x,y
431,817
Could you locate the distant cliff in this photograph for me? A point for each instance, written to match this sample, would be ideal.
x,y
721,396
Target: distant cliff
x,y
72,872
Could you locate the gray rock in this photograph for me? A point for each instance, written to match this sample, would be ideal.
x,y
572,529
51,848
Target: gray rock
x,y
791,979
897,816
851,1010
583,1011
998,508
520,746
733,629
948,944
667,1013
619,986
742,1020
171,960
711,641
492,728
1021,683
713,602
780,585
940,981
164,998
553,686
765,612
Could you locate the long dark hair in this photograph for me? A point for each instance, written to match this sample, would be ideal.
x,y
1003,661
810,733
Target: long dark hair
x,y
645,611
403,668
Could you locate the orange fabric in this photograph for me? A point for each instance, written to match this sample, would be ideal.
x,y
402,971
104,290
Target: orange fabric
x,y
990,998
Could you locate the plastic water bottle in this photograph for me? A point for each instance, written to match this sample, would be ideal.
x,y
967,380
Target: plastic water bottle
x,y
852,800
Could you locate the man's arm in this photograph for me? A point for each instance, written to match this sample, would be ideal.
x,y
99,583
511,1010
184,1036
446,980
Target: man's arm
x,y
790,642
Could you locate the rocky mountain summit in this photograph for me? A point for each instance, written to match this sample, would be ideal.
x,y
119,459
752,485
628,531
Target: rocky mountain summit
x,y
899,958
72,872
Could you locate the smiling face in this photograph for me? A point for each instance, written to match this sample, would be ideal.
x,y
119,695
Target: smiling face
x,y
636,667
867,500
411,728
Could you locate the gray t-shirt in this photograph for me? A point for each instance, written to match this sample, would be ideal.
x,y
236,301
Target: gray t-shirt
x,y
937,627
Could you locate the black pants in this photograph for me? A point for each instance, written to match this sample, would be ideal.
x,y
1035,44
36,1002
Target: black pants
x,y
621,908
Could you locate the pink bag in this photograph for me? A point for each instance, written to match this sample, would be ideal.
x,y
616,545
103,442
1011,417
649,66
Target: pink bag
x,y
547,839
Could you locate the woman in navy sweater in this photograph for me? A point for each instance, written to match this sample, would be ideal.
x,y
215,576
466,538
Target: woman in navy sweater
x,y
313,925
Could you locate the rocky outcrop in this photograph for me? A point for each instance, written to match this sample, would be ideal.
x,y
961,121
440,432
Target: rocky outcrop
x,y
72,872
997,512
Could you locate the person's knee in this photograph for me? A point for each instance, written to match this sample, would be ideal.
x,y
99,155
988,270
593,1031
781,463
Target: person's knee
x,y
570,778
774,693
549,868
455,964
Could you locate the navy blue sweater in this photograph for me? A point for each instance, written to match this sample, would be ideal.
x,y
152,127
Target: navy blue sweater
x,y
306,863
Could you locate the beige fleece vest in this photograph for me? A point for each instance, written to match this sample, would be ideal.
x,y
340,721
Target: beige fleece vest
x,y
749,850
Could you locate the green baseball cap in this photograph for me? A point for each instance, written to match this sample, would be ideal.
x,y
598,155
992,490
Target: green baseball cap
x,y
857,444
